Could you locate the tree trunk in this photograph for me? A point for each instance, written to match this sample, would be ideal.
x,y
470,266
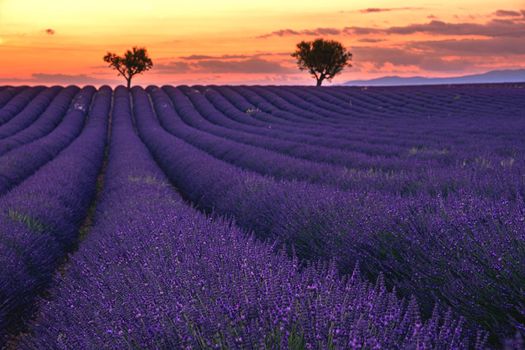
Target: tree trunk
x,y
319,81
129,82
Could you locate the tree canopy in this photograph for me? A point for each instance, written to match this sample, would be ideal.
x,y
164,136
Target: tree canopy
x,y
134,61
323,59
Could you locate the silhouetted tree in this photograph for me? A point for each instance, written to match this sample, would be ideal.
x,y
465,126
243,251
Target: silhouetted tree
x,y
134,61
323,59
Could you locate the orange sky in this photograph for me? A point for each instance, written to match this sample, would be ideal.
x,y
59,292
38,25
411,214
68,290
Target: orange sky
x,y
238,41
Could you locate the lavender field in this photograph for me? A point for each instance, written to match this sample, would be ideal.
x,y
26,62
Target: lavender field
x,y
262,217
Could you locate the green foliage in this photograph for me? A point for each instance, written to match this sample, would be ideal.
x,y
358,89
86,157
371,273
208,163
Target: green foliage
x,y
296,340
134,61
323,59
31,223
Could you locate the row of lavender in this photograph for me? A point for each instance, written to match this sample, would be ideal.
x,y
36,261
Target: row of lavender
x,y
13,100
41,216
155,273
26,151
465,250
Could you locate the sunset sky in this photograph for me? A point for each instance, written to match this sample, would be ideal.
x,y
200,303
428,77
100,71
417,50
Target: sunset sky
x,y
239,41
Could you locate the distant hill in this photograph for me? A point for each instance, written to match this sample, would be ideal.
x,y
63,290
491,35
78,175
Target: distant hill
x,y
495,76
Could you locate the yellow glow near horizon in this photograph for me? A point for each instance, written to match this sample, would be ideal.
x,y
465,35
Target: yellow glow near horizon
x,y
80,32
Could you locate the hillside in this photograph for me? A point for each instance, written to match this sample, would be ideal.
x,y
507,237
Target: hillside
x,y
496,76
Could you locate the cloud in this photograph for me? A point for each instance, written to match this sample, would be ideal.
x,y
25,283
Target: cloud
x,y
472,47
5,80
322,31
507,13
442,55
376,9
310,32
370,40
372,10
61,79
174,67
380,57
280,32
493,28
252,65
226,65
222,57
66,79
49,31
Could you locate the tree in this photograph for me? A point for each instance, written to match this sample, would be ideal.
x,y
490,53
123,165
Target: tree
x,y
134,61
323,59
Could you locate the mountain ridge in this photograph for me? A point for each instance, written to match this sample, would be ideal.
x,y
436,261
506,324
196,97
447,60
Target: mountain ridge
x,y
494,76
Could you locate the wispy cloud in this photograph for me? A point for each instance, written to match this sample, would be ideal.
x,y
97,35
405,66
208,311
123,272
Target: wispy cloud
x,y
379,57
220,57
472,47
253,65
309,32
198,64
174,67
370,40
449,55
509,13
61,79
65,79
493,28
390,9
